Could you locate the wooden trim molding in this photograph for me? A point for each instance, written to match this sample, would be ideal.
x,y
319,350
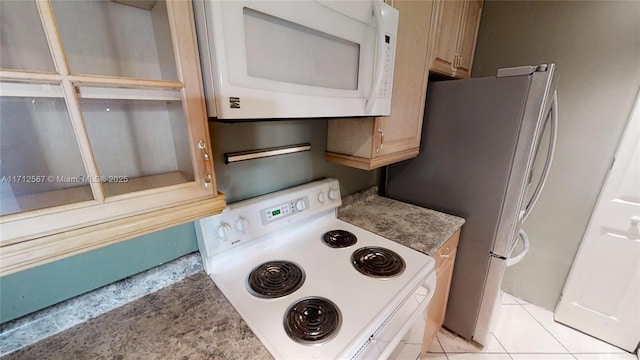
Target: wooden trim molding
x,y
370,164
28,254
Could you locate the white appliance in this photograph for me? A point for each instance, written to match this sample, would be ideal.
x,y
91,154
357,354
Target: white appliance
x,y
486,151
296,59
309,285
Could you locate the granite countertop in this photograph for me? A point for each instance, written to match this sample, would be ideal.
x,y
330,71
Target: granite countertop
x,y
192,319
421,229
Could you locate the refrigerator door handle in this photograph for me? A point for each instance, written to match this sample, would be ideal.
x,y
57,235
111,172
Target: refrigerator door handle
x,y
547,165
512,260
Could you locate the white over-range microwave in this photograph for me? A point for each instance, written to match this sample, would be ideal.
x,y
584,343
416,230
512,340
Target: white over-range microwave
x,y
296,59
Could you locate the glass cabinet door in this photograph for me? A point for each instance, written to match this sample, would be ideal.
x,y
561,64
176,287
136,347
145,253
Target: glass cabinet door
x,y
138,144
117,38
40,162
103,128
123,121
23,43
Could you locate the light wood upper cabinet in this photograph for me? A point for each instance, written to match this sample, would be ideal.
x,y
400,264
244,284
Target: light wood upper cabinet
x,y
468,37
369,143
449,16
104,130
455,39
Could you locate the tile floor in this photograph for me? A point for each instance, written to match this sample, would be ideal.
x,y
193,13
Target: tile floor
x,y
526,332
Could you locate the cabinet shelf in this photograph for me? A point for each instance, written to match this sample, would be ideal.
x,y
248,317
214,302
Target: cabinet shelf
x,y
145,183
117,189
47,90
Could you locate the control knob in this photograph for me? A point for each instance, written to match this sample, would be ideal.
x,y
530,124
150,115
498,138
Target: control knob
x,y
242,224
223,231
322,197
333,194
300,205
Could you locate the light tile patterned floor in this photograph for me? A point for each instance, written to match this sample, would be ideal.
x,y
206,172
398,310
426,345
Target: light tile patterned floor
x,y
526,332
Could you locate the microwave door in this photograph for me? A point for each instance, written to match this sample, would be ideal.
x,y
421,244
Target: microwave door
x,y
299,59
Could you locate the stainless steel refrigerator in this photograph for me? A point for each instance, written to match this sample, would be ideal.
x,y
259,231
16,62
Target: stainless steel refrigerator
x,y
485,153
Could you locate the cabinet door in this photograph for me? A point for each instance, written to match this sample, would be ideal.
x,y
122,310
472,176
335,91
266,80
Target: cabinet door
x,y
36,131
23,43
445,260
468,36
447,34
104,136
400,131
369,143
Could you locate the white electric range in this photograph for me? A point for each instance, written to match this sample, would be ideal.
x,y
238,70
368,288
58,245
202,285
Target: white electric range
x,y
311,286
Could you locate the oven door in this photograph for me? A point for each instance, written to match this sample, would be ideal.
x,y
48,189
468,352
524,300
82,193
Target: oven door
x,y
281,59
385,340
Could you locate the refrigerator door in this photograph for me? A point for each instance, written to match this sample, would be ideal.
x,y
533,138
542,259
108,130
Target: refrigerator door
x,y
474,162
539,107
550,122
491,301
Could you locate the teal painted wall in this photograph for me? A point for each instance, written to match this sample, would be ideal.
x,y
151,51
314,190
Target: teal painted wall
x,y
30,290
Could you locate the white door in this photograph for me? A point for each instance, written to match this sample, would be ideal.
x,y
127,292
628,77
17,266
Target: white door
x,y
602,294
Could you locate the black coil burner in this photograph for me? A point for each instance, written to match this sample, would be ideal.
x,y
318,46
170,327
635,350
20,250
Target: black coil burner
x,y
313,320
339,238
377,262
275,279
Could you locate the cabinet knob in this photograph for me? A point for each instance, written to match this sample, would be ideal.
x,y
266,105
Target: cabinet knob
x,y
446,253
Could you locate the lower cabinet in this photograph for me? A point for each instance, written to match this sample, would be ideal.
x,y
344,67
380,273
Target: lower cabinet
x,y
445,258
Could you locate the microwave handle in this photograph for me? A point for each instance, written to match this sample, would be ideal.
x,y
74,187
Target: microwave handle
x,y
379,69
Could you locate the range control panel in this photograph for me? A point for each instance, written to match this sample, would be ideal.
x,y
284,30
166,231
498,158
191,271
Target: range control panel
x,y
288,208
251,219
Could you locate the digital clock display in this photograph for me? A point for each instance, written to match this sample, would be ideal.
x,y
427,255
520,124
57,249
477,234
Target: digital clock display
x,y
275,212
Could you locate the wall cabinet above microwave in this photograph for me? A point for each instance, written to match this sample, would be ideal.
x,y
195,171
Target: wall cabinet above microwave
x,y
455,40
296,59
104,131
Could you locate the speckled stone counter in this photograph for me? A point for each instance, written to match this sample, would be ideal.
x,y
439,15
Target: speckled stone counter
x,y
190,319
421,229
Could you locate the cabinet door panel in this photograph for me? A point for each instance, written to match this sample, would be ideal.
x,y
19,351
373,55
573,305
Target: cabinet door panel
x,y
369,143
445,259
447,36
468,36
110,38
401,130
23,44
40,162
136,139
438,304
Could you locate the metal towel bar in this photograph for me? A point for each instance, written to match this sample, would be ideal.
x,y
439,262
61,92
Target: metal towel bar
x,y
262,153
